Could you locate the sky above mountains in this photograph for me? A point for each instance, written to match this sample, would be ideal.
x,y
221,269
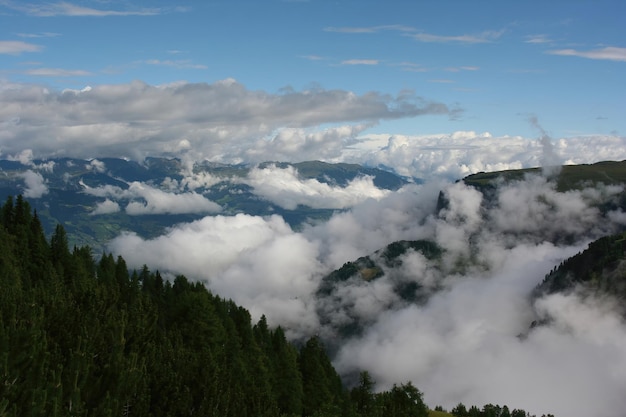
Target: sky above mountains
x,y
304,79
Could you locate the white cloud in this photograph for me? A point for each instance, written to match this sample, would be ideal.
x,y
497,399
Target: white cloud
x,y
195,180
360,62
610,53
106,207
97,166
459,154
25,157
179,64
225,122
34,184
533,207
463,345
537,39
161,202
484,37
284,187
220,121
144,199
370,29
260,262
39,35
296,144
57,72
64,8
17,47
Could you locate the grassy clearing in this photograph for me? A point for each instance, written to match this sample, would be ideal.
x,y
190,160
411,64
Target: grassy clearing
x,y
433,413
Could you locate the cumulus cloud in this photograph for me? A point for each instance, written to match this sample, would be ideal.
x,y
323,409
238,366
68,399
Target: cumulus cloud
x,y
260,262
157,201
24,157
220,120
285,143
141,198
34,184
456,155
225,122
97,166
284,187
106,207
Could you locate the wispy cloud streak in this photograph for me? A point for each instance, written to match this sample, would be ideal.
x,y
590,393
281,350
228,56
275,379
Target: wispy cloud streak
x,y
610,53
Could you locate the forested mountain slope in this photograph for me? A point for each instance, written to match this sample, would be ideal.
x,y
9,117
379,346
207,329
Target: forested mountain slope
x,y
86,337
600,269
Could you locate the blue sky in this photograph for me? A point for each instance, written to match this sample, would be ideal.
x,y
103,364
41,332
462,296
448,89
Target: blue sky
x,y
494,65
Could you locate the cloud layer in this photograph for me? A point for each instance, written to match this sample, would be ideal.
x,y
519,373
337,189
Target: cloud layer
x,y
464,344
221,120
226,122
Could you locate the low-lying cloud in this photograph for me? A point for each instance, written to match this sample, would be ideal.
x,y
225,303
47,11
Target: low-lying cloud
x,y
260,262
141,198
34,184
472,340
284,187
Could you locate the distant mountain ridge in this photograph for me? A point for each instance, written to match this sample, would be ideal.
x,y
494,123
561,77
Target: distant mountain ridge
x,y
567,177
70,190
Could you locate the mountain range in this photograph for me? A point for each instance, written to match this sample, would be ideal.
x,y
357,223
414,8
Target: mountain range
x,y
97,199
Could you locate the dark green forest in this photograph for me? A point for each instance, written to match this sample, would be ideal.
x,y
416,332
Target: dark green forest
x,y
598,269
85,336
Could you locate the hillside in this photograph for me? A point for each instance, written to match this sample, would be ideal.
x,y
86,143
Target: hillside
x,y
567,177
366,271
514,209
87,337
600,269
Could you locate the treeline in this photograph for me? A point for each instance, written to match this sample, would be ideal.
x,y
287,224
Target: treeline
x,y
490,410
81,336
